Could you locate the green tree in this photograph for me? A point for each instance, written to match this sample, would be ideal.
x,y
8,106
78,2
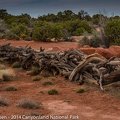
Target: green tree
x,y
82,14
24,19
68,15
112,30
20,30
3,13
95,19
49,18
42,31
77,27
57,31
88,18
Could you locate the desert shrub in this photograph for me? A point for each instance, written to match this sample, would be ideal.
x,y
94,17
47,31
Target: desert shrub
x,y
108,88
20,30
45,74
23,36
57,31
67,101
34,71
38,78
93,42
112,30
81,90
96,19
16,65
79,31
28,104
53,92
7,74
11,36
84,41
2,67
11,88
3,101
117,41
77,27
1,36
28,38
42,31
47,83
7,77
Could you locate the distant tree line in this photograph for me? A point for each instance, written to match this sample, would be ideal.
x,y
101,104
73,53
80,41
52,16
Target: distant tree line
x,y
59,27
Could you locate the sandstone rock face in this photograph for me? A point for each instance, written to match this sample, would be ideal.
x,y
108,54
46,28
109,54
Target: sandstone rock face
x,y
88,51
86,46
115,50
104,52
107,53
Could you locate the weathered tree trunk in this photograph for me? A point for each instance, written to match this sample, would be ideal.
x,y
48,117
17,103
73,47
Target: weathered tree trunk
x,y
112,77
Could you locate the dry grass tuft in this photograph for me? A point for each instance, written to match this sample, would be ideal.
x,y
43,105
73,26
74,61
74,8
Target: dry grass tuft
x,y
16,65
34,71
38,78
47,83
2,67
6,74
81,90
3,101
11,88
28,104
53,92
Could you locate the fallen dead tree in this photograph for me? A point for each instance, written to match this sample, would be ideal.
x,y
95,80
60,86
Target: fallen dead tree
x,y
71,64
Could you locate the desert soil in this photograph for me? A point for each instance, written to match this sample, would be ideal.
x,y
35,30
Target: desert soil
x,y
93,104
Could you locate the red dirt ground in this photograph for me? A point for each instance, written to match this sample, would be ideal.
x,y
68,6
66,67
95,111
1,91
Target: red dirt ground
x,y
46,46
90,105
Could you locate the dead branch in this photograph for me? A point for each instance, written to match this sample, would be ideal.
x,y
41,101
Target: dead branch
x,y
71,64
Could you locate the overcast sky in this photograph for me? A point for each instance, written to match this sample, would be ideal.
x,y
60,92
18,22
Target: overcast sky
x,y
40,7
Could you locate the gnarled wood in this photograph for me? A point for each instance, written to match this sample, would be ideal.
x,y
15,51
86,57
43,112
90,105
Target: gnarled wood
x,y
82,65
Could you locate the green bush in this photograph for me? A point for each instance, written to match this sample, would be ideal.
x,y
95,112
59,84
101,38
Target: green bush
x,y
34,71
57,31
112,30
21,30
93,42
38,78
84,41
23,36
53,92
45,74
77,27
117,41
47,83
42,31
78,31
16,65
12,36
28,38
7,77
81,90
11,88
45,31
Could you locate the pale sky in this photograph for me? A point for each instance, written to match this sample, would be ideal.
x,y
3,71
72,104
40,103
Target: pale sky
x,y
41,7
